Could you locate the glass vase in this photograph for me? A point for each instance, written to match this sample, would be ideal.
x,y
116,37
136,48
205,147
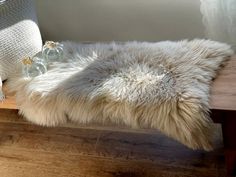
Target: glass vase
x,y
33,67
52,51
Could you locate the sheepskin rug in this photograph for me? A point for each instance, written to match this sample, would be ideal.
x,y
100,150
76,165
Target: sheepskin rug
x,y
162,85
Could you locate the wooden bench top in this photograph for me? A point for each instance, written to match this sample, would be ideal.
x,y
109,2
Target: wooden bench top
x,y
223,90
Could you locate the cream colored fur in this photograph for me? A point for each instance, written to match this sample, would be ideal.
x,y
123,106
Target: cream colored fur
x,y
161,85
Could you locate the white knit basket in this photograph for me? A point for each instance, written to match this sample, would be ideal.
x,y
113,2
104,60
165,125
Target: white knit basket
x,y
19,34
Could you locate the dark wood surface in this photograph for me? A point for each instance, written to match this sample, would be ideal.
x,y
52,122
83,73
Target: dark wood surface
x,y
229,136
28,150
227,118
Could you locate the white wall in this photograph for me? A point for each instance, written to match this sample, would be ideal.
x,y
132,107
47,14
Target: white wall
x,y
105,20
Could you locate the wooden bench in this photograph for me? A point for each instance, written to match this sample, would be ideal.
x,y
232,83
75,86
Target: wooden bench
x,y
223,107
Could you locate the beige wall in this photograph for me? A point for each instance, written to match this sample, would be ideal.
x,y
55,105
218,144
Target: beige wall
x,y
105,20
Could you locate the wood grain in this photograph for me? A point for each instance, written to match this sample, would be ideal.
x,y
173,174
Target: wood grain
x,y
28,150
223,90
9,102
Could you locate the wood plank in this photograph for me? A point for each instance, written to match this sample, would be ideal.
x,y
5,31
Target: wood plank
x,y
9,102
105,143
223,90
21,163
61,151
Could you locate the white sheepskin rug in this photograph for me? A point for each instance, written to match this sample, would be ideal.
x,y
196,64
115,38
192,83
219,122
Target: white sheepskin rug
x,y
162,85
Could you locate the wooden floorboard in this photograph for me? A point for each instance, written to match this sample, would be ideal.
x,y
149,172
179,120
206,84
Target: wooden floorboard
x,y
28,150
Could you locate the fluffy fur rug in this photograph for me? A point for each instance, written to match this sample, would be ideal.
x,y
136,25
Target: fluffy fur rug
x,y
161,85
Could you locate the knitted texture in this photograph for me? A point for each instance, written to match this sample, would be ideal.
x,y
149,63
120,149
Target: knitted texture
x,y
19,34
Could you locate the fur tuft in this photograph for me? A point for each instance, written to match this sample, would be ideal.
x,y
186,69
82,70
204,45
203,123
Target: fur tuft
x,y
161,85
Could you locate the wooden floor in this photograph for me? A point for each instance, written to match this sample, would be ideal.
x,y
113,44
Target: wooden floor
x,y
32,151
